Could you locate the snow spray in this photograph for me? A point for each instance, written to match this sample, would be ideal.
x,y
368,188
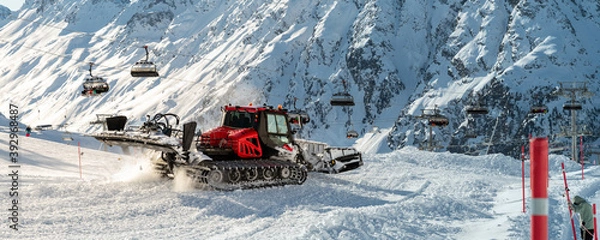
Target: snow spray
x,y
538,153
182,183
133,171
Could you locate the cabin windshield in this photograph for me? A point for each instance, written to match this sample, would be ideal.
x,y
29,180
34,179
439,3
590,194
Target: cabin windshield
x,y
237,119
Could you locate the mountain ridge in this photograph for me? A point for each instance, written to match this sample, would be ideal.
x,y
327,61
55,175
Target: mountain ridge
x,y
397,59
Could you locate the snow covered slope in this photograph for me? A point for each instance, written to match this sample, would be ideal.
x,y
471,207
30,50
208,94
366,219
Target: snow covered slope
x,y
397,58
404,194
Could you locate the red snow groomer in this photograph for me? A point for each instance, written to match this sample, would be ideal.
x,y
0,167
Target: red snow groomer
x,y
252,147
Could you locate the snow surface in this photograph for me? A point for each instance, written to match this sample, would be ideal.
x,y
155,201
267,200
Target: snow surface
x,y
213,53
404,194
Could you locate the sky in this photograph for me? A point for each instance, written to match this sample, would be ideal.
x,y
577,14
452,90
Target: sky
x,y
12,4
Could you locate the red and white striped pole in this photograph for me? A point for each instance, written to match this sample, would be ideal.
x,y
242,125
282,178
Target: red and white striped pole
x,y
523,174
595,224
538,157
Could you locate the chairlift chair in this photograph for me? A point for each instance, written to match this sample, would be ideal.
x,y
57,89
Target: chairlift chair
x,y
342,99
475,107
67,137
538,110
572,105
94,86
438,120
298,117
471,134
144,68
477,110
351,134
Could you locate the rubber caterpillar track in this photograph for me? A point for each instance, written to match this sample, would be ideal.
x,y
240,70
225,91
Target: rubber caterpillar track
x,y
242,174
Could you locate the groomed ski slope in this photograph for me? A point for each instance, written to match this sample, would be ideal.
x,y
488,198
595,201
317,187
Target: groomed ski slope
x,y
404,194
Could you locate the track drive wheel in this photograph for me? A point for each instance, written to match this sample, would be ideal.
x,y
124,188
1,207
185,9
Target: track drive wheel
x,y
215,177
234,175
268,173
285,172
251,174
300,160
300,175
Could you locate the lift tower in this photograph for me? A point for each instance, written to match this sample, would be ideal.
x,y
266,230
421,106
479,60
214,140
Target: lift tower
x,y
571,90
434,119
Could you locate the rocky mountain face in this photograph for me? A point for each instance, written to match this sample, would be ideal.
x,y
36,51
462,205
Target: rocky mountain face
x,y
514,55
4,12
396,58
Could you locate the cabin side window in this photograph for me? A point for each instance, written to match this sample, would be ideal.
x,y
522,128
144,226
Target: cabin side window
x,y
277,128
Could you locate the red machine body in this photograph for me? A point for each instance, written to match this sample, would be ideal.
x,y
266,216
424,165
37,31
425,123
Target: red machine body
x,y
248,132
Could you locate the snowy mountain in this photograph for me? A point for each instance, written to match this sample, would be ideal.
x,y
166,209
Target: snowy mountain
x,y
397,58
513,54
404,194
4,12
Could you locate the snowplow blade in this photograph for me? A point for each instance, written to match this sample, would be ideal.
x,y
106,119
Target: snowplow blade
x,y
125,139
323,158
165,139
342,159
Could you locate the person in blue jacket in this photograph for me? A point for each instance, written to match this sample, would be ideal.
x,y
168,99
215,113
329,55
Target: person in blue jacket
x,y
586,216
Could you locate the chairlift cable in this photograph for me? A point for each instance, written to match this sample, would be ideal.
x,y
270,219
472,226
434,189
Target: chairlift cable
x,y
114,39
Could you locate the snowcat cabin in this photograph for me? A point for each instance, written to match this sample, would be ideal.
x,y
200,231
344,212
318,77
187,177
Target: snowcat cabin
x,y
277,128
248,133
271,123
